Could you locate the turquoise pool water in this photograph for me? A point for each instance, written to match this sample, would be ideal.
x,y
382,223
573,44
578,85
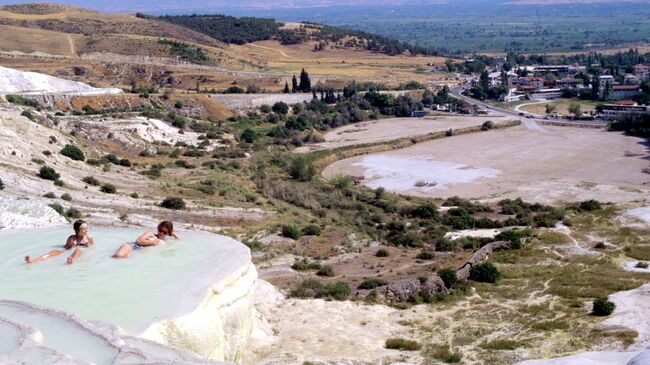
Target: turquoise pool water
x,y
155,283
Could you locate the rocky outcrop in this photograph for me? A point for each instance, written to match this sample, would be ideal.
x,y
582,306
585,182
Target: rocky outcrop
x,y
481,256
404,290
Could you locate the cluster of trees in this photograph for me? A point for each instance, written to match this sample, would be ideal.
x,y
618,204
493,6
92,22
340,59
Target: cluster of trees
x,y
304,85
476,64
186,51
622,61
482,90
441,98
225,28
235,30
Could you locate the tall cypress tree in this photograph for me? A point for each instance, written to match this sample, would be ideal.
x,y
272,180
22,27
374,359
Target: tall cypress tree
x,y
294,84
305,82
286,87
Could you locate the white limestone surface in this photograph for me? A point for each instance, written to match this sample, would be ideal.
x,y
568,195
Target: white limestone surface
x,y
399,173
16,213
16,81
194,294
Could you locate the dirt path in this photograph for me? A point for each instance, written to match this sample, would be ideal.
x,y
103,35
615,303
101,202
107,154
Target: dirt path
x,y
73,49
282,53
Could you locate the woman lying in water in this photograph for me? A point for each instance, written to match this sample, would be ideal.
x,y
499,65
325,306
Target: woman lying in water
x,y
77,240
165,229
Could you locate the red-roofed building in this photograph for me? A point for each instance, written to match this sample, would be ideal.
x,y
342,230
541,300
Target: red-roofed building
x,y
620,92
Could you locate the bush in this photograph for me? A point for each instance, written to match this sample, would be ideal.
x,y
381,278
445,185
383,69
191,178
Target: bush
x,y
311,230
325,271
27,114
22,100
425,255
382,253
249,135
178,104
49,195
125,162
72,213
265,108
484,273
59,182
58,208
173,203
108,189
290,231
302,169
341,181
639,265
448,276
487,125
112,159
66,197
304,265
280,108
402,344
91,180
590,205
372,284
512,236
603,307
73,152
426,211
442,353
2,185
48,173
339,290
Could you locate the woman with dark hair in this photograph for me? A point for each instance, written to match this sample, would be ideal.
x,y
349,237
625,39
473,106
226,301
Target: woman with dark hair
x,y
80,238
165,229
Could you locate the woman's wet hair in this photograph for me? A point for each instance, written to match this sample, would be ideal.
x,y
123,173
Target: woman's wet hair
x,y
166,227
78,224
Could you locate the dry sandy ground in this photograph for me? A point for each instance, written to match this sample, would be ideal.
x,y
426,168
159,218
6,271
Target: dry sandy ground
x,y
391,129
327,332
550,165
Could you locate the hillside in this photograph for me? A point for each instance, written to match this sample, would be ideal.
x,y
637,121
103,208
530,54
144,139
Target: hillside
x,y
248,29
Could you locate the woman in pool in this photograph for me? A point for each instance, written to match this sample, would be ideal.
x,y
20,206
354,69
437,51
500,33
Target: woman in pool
x,y
80,238
165,229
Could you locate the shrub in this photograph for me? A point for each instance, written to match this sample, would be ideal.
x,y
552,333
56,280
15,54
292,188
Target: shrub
x,y
2,185
426,211
108,189
590,205
311,230
402,344
58,208
135,195
49,195
304,265
280,108
487,125
66,197
91,180
178,104
125,162
73,152
249,135
445,245
442,353
339,290
302,169
112,159
484,273
341,181
600,246
290,231
512,236
603,307
22,100
372,284
325,271
47,153
173,203
448,276
426,255
265,108
48,173
72,213
382,253
639,265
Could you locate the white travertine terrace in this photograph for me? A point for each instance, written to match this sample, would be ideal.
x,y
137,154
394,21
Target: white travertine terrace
x,y
182,302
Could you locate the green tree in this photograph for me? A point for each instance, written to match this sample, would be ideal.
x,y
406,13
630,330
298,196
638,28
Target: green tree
x,y
484,273
608,91
302,169
550,108
73,152
575,109
294,84
280,108
249,135
305,82
286,88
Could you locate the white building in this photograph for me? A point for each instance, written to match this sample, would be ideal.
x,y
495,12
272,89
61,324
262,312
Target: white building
x,y
602,84
545,94
611,111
